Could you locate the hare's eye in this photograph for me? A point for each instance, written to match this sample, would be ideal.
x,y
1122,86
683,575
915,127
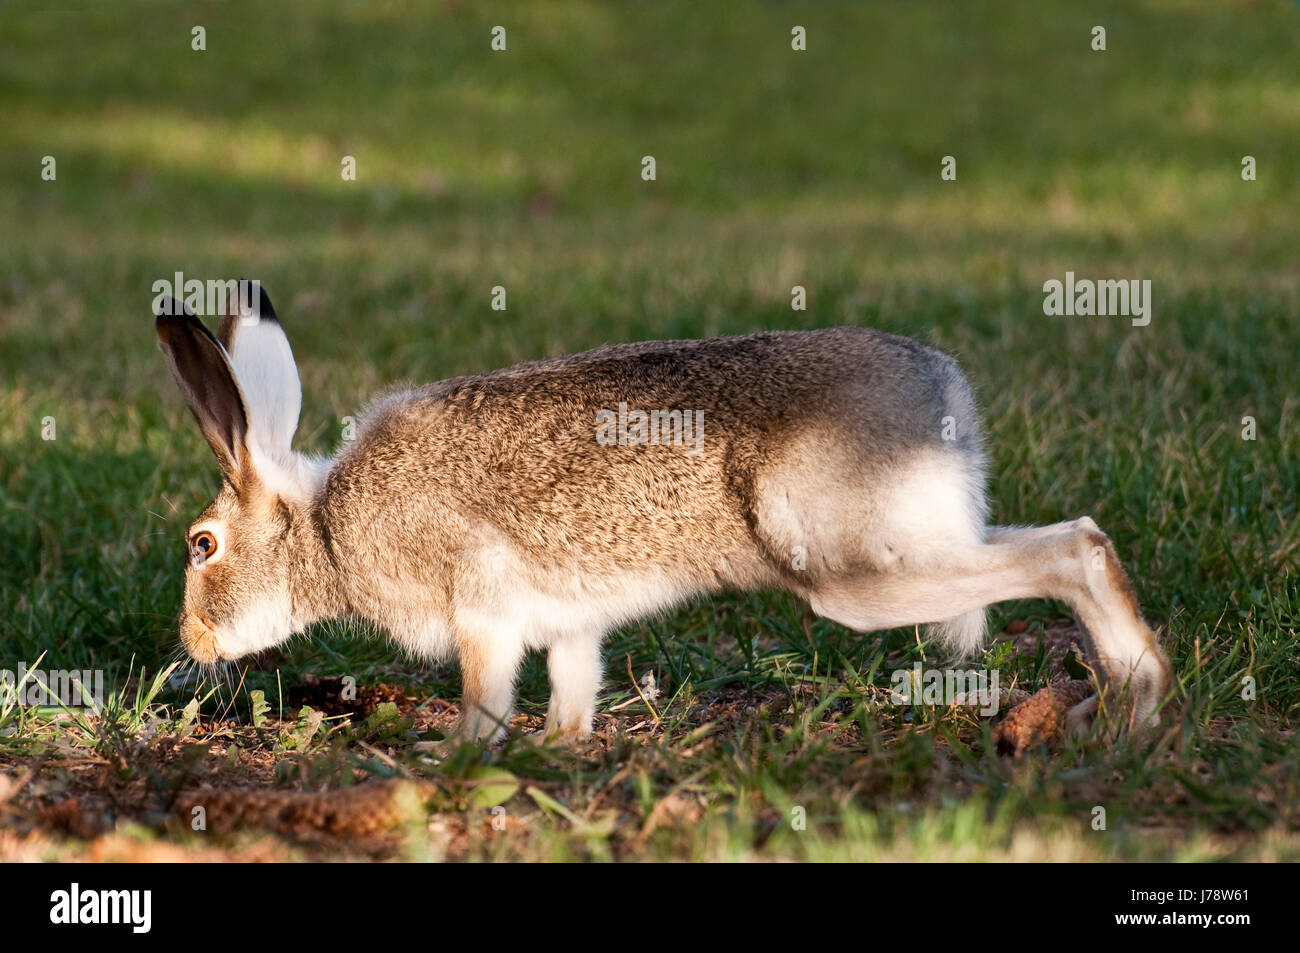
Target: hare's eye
x,y
203,546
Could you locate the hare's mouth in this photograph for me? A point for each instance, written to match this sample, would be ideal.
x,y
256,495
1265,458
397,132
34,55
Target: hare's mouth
x,y
199,639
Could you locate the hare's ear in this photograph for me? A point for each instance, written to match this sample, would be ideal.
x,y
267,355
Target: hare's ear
x,y
208,384
264,366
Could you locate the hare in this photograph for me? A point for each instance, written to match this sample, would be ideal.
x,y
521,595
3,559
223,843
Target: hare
x,y
540,506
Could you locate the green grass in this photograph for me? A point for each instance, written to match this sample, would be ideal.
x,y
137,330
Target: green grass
x,y
775,168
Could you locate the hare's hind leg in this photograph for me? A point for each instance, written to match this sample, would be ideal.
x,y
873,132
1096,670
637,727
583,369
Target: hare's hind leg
x,y
1074,562
1097,588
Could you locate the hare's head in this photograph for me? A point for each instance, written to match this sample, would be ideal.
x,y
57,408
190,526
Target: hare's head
x,y
243,389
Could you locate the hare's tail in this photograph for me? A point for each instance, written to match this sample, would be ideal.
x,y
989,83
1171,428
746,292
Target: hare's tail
x,y
962,636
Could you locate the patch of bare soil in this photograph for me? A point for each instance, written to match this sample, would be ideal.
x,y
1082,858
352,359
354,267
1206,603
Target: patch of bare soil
x,y
336,696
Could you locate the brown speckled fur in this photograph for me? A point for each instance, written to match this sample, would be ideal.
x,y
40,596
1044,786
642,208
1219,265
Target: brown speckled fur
x,y
516,450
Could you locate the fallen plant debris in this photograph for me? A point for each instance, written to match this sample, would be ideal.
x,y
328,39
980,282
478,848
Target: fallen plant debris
x,y
1038,718
362,810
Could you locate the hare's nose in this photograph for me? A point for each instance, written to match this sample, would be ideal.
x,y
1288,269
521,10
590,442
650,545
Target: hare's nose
x,y
199,638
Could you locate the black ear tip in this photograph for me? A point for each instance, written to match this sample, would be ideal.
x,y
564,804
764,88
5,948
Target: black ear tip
x,y
168,325
167,330
169,307
265,312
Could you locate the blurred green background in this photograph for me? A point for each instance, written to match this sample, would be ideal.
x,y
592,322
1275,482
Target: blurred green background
x,y
522,169
774,168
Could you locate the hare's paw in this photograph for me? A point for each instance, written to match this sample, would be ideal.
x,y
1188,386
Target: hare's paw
x,y
1079,718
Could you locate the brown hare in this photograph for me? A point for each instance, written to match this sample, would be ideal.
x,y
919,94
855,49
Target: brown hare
x,y
540,506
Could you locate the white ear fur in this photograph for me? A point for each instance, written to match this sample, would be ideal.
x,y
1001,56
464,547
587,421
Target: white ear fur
x,y
268,377
263,362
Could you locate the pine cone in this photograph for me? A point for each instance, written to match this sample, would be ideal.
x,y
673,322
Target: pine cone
x,y
1041,718
366,809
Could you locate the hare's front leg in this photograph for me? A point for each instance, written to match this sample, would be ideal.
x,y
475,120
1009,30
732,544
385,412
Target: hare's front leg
x,y
575,670
489,663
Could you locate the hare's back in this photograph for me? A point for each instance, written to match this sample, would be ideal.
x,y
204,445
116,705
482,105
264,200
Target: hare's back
x,y
663,452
